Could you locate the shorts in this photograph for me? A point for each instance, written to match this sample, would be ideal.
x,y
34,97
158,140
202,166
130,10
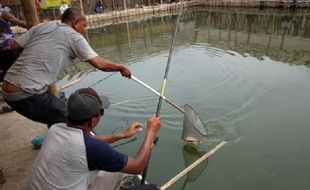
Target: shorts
x,y
44,108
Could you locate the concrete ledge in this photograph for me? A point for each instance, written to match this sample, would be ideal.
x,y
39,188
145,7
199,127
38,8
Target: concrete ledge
x,y
16,152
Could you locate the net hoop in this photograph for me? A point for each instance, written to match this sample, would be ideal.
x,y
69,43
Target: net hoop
x,y
194,129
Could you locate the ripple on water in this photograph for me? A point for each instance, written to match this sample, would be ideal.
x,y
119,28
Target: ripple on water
x,y
214,83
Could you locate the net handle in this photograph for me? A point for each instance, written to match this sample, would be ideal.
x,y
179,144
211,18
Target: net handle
x,y
157,93
170,102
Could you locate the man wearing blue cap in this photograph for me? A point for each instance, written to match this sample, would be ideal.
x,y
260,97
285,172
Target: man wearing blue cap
x,y
71,156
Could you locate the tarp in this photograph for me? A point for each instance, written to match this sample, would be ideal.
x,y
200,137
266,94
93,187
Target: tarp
x,y
48,4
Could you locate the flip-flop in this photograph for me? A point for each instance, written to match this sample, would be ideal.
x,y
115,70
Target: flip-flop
x,y
37,141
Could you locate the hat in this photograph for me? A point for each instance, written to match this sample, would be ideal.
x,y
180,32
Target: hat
x,y
85,103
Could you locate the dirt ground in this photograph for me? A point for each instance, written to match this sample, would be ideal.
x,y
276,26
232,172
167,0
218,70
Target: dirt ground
x,y
16,151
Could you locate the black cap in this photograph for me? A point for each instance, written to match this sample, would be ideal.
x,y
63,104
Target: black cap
x,y
85,103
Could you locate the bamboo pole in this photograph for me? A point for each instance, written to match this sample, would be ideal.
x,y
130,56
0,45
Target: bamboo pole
x,y
70,83
193,165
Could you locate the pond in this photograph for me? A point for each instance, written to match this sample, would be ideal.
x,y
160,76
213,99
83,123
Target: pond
x,y
245,72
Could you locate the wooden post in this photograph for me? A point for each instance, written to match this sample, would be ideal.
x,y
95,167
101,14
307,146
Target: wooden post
x,y
81,6
113,6
30,12
125,6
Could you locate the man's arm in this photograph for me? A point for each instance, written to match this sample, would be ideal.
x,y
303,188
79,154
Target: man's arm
x,y
109,66
136,165
12,19
131,130
16,48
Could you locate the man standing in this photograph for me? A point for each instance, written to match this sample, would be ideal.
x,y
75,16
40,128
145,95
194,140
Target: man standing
x,y
46,50
71,157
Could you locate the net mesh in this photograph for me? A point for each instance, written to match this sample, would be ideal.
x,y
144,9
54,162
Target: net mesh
x,y
194,129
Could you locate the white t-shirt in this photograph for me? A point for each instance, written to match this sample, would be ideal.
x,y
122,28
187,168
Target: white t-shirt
x,y
61,167
70,159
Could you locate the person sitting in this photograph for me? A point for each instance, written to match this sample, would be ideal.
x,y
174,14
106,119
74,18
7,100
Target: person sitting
x,y
99,7
71,157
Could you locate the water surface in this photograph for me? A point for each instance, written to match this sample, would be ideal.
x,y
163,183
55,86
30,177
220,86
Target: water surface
x,y
246,74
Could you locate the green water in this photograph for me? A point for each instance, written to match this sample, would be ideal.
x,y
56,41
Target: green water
x,y
246,74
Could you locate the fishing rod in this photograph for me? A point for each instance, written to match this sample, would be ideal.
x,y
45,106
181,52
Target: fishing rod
x,y
67,85
163,86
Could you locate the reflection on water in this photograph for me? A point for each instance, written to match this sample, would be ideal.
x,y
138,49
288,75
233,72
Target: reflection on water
x,y
190,155
240,28
280,35
245,73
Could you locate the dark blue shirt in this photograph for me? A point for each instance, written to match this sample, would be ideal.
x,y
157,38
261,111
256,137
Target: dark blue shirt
x,y
101,156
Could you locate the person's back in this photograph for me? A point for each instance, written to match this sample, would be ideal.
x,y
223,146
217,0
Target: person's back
x,y
48,48
61,162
